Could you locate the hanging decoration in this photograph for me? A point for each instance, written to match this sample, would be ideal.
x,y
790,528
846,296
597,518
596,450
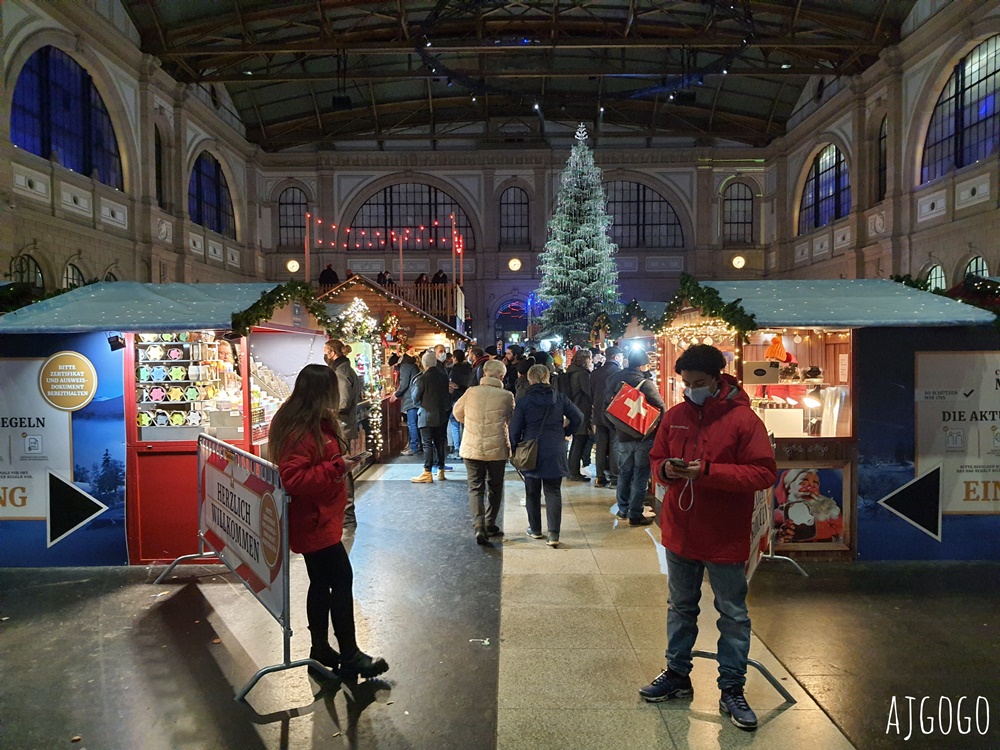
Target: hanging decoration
x,y
263,309
711,305
393,333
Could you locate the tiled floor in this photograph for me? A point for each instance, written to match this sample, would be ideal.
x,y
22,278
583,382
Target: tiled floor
x,y
582,627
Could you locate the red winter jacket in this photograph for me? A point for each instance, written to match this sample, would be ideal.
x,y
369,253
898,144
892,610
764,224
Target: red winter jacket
x,y
737,460
317,492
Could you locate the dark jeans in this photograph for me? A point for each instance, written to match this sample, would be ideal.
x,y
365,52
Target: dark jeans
x,y
483,475
607,461
331,595
411,423
577,452
633,475
435,439
729,584
553,503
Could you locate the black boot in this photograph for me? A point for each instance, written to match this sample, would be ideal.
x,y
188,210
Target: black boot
x,y
362,665
326,655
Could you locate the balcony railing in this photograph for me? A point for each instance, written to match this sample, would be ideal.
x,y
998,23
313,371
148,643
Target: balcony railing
x,y
446,302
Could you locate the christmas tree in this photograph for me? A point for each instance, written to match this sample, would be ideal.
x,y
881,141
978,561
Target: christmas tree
x,y
579,275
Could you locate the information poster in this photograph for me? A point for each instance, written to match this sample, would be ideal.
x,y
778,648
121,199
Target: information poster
x,y
958,427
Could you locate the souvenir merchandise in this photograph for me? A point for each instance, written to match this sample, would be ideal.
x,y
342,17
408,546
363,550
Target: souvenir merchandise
x,y
168,336
157,393
177,372
144,418
147,338
154,353
161,418
177,418
194,418
144,373
158,374
176,395
175,352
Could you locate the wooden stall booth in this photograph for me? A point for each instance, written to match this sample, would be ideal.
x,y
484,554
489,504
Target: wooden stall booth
x,y
400,325
794,347
121,379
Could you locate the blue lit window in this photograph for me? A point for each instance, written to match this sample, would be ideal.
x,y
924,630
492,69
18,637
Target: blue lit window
x,y
642,217
826,196
936,280
209,200
72,277
57,109
965,124
977,267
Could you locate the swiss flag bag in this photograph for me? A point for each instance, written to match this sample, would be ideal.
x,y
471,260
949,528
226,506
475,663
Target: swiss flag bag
x,y
631,413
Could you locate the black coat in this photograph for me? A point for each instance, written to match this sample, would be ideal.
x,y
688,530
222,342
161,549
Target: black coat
x,y
579,392
351,391
598,380
526,424
463,377
639,380
432,398
407,374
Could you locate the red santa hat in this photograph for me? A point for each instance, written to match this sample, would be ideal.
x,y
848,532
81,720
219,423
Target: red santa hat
x,y
788,480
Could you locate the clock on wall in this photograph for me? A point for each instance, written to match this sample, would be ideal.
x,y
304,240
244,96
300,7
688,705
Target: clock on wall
x,y
514,264
739,261
292,266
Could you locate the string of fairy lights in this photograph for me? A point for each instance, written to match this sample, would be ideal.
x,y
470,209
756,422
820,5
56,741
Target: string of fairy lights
x,y
411,237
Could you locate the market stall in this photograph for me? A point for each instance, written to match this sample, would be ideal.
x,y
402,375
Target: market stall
x,y
397,325
822,361
106,389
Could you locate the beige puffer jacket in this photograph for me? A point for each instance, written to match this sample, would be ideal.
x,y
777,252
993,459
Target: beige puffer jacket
x,y
485,410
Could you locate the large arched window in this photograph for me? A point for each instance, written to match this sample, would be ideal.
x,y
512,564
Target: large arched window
x,y
977,267
292,207
57,110
424,210
883,160
158,165
25,270
642,217
514,230
826,196
209,200
737,214
72,277
936,280
965,125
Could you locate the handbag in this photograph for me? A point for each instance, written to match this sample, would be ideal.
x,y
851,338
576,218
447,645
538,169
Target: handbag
x,y
525,456
630,413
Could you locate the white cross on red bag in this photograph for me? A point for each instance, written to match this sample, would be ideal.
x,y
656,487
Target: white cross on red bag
x,y
631,413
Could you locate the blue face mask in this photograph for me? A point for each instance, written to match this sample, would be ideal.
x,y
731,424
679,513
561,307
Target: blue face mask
x,y
699,395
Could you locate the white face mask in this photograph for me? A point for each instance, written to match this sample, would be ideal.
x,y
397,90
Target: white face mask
x,y
699,395
442,357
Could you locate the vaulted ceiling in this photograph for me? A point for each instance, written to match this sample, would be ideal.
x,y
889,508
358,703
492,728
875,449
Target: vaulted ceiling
x,y
332,74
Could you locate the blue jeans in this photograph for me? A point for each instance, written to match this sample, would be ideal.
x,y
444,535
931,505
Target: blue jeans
x,y
729,583
455,429
411,423
633,475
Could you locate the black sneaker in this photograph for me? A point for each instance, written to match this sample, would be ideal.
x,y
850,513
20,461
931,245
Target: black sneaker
x,y
481,537
326,655
644,521
601,482
362,665
621,515
734,703
666,686
493,531
553,540
578,478
613,483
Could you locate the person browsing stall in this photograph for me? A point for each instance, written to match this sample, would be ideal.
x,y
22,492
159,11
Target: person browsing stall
x,y
713,453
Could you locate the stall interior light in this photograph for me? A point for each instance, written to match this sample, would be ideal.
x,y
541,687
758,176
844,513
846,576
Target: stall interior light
x,y
811,399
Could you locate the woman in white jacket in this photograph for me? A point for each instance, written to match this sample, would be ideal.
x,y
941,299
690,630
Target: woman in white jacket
x,y
485,410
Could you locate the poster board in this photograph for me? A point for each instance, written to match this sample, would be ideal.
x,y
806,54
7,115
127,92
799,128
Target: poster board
x,y
812,508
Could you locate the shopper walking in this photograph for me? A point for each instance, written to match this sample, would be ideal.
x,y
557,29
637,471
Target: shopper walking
x,y
308,443
714,453
485,410
433,402
539,416
408,372
350,389
632,453
607,462
579,392
461,379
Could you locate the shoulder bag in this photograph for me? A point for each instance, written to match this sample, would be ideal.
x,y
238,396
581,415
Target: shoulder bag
x,y
525,456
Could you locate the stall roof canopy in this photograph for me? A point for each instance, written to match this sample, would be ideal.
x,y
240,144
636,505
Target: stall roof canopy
x,y
131,306
849,303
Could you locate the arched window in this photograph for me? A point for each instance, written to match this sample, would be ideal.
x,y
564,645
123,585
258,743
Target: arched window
x,y
209,200
158,164
72,277
424,210
827,192
642,217
514,217
58,111
883,159
935,278
25,270
110,276
737,214
292,207
977,267
965,125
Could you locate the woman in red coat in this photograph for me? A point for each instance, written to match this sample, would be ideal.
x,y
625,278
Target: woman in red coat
x,y
308,444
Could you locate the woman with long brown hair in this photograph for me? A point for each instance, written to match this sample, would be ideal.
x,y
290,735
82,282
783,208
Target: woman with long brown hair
x,y
308,444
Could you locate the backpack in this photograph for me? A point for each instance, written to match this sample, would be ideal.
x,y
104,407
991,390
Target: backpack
x,y
560,383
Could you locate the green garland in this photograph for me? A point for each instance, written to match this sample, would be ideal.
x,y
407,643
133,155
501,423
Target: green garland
x,y
710,303
263,309
923,285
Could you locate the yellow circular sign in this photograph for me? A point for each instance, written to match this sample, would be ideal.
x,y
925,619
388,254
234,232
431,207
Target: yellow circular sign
x,y
514,264
270,530
68,381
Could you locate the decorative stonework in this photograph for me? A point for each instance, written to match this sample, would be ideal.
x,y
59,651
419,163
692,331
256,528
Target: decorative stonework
x,y
627,264
164,231
215,250
114,214
197,244
665,264
232,256
971,192
931,206
821,246
76,200
31,183
802,253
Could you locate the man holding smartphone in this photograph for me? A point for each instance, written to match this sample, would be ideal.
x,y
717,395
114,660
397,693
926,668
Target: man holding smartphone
x,y
713,453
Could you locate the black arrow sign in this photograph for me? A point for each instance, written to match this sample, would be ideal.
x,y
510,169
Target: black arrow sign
x,y
69,508
918,502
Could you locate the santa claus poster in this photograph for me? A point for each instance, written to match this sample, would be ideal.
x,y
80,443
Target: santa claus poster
x,y
810,507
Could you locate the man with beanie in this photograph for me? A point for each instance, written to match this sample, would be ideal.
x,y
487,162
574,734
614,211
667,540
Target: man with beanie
x,y
607,462
632,453
433,402
350,390
713,453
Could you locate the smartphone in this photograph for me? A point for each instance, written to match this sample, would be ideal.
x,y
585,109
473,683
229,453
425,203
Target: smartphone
x,y
359,457
680,463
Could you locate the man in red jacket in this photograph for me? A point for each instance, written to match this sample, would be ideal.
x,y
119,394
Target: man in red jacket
x,y
713,453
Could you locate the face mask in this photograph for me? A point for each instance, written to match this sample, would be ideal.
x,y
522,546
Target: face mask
x,y
442,357
699,395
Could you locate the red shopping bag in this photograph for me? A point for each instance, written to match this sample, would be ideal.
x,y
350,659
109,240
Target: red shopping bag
x,y
631,413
